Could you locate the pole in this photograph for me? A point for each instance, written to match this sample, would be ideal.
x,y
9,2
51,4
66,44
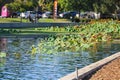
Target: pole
x,y
76,73
55,9
21,18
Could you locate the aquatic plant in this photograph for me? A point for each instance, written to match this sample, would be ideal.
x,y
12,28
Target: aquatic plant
x,y
2,54
80,37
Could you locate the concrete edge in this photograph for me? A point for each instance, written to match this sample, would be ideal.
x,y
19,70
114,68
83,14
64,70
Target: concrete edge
x,y
36,25
83,72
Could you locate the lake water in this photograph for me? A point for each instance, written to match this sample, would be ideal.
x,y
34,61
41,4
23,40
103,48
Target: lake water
x,y
20,65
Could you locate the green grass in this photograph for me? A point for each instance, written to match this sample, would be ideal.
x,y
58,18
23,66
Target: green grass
x,y
52,20
7,20
33,31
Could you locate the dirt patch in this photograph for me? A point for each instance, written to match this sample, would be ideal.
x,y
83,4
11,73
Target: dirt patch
x,y
110,71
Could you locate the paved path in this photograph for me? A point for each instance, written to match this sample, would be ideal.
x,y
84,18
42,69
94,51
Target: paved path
x,y
31,25
110,71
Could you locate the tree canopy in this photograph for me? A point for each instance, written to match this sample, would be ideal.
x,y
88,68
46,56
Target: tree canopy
x,y
103,6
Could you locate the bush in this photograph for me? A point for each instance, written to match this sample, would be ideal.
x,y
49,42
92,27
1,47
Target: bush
x,y
77,19
81,20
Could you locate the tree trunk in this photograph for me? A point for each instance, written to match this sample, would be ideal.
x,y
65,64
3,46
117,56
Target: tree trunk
x,y
55,9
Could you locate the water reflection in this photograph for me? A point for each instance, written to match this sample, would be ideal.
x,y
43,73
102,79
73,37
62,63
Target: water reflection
x,y
20,65
3,48
100,50
3,44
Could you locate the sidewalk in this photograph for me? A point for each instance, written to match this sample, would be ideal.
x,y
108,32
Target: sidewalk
x,y
110,71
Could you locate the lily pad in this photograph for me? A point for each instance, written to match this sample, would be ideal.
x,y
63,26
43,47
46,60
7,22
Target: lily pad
x,y
2,54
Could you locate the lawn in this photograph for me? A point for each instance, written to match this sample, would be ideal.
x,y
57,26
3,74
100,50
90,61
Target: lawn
x,y
29,31
7,20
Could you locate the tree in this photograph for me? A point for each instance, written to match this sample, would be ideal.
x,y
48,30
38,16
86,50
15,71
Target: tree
x,y
23,5
75,5
103,6
3,2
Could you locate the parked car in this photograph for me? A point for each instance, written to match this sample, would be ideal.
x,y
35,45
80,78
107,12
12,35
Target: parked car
x,y
106,16
26,14
68,15
117,15
47,14
62,14
22,14
89,15
39,14
31,14
15,14
84,15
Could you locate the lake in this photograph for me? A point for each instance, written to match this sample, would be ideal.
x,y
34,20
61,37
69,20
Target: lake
x,y
20,65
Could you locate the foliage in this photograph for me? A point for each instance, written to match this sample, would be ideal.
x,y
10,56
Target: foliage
x,y
87,36
2,54
61,43
22,5
71,38
103,6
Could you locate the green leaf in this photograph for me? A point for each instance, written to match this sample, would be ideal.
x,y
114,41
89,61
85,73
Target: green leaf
x,y
2,54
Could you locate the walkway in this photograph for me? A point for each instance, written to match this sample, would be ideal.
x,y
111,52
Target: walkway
x,y
108,72
35,25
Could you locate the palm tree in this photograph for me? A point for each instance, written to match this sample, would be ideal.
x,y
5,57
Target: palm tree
x,y
55,9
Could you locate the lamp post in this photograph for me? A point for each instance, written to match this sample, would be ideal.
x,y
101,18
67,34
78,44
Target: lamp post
x,y
55,9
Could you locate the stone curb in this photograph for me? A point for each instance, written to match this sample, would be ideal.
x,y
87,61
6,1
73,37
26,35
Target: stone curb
x,y
35,25
82,73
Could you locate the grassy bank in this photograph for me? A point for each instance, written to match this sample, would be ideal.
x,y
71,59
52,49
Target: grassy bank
x,y
95,29
7,20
